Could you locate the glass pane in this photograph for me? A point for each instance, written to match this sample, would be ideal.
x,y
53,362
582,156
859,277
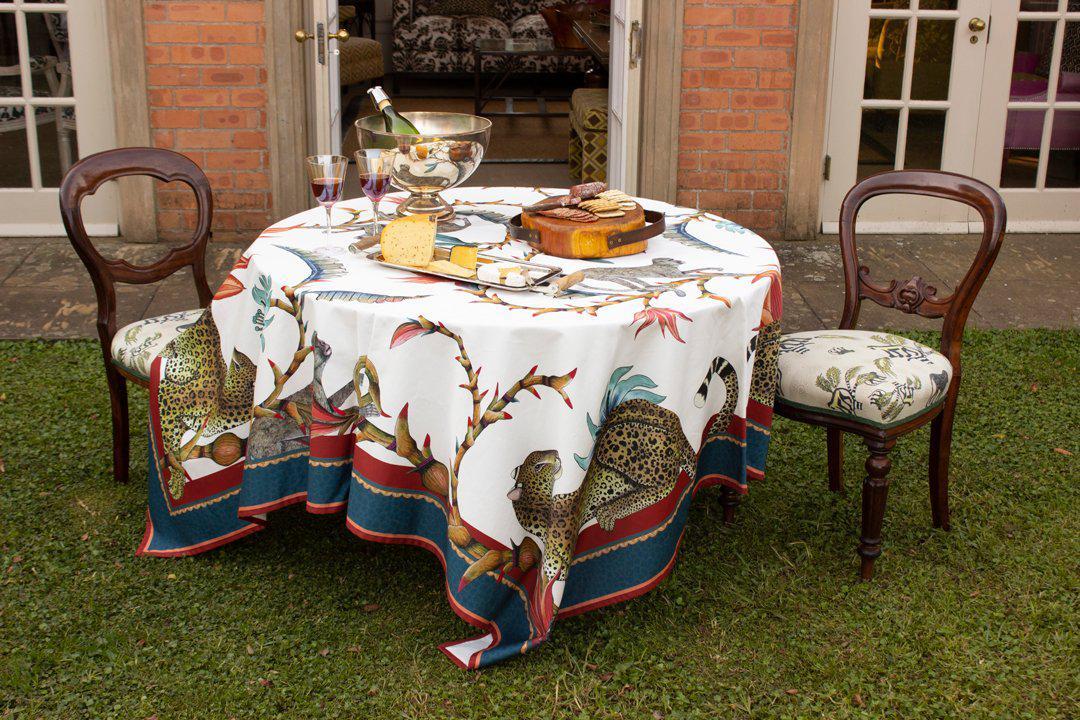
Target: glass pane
x,y
57,145
933,59
1063,164
937,4
15,170
1038,5
925,138
1069,77
50,60
1073,6
877,141
889,4
886,46
1020,156
10,83
1031,60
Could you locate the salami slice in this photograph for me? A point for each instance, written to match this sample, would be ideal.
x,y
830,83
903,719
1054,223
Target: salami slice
x,y
554,202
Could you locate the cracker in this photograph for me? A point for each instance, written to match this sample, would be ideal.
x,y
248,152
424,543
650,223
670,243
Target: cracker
x,y
574,214
614,196
595,206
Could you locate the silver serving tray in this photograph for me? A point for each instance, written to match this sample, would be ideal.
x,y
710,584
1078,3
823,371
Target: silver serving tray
x,y
531,283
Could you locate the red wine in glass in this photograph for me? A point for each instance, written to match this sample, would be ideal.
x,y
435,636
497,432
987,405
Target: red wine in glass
x,y
375,185
327,190
326,173
374,168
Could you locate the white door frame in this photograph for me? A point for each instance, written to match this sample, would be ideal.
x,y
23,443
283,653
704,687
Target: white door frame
x,y
324,73
1038,209
35,211
846,106
624,94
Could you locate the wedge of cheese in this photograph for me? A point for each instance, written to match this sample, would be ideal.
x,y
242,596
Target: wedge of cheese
x,y
465,256
409,240
449,268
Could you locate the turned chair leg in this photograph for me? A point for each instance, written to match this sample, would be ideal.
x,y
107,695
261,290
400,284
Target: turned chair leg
x,y
834,439
940,449
729,501
119,402
875,491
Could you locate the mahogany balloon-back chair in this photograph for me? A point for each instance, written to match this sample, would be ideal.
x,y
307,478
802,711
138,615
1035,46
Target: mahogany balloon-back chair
x,y
129,352
879,385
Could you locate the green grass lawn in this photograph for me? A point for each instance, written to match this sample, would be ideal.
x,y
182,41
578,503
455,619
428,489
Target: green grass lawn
x,y
763,619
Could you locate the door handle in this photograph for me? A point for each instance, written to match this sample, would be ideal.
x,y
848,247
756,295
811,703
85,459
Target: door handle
x,y
341,36
976,24
635,43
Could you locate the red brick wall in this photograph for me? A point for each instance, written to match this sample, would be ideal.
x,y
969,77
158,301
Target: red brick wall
x,y
206,77
738,76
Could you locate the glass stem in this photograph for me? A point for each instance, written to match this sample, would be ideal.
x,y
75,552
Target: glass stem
x,y
374,218
328,208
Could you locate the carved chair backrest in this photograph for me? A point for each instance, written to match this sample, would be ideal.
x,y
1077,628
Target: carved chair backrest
x,y
86,176
915,295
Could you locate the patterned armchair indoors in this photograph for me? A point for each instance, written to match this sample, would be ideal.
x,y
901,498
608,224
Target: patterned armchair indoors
x,y
436,36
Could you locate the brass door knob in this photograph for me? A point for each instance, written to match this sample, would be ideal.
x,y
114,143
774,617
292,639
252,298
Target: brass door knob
x,y
301,36
976,25
341,35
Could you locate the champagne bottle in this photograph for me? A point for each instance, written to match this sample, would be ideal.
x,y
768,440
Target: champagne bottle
x,y
395,121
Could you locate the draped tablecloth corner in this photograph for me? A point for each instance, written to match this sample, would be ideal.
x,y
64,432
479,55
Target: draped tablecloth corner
x,y
544,449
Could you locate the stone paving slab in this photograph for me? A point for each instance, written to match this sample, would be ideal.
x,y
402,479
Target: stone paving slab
x,y
45,292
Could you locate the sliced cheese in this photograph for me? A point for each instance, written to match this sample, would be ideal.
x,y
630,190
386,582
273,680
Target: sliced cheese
x,y
409,240
449,268
465,256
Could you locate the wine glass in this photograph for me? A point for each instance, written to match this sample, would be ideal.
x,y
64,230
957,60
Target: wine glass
x,y
327,176
374,167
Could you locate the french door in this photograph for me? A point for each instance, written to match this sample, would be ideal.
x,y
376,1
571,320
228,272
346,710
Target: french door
x,y
55,107
906,81
989,88
1029,132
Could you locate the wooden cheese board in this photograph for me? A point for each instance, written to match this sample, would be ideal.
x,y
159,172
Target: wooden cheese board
x,y
627,234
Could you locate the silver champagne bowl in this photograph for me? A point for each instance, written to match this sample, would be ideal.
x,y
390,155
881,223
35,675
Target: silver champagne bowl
x,y
447,151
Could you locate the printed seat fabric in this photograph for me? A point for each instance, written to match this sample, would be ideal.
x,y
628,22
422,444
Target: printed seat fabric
x,y
427,41
135,346
876,378
588,154
361,60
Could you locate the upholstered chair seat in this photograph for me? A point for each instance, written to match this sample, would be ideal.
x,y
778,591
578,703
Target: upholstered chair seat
x,y
876,378
135,346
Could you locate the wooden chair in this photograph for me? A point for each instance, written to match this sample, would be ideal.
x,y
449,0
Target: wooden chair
x,y
878,385
129,353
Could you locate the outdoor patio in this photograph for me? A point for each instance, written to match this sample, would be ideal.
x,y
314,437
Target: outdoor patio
x,y
1035,282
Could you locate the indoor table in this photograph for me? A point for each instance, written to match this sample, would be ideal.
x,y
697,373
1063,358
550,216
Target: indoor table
x,y
544,447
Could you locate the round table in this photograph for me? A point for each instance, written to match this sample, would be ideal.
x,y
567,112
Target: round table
x,y
545,448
